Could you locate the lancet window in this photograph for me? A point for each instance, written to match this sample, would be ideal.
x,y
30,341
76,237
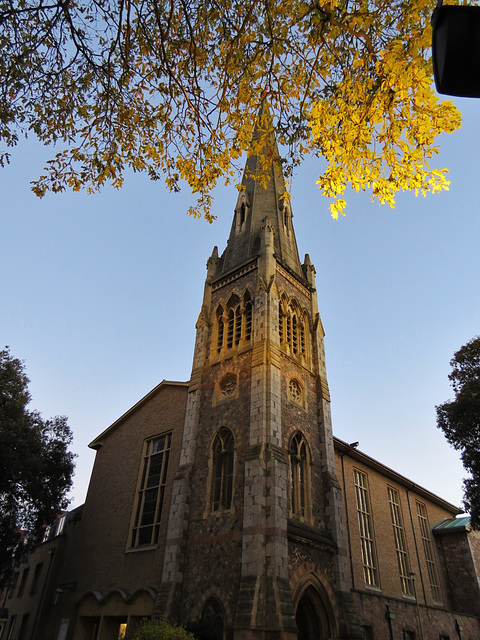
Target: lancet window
x,y
300,503
223,457
234,323
291,329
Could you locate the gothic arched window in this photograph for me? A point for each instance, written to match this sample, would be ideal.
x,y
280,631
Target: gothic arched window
x,y
220,328
234,323
291,329
248,316
300,503
223,454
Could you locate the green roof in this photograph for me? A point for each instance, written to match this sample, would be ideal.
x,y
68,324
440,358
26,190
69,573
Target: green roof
x,y
453,524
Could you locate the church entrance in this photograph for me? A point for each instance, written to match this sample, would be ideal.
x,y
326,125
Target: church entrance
x,y
312,618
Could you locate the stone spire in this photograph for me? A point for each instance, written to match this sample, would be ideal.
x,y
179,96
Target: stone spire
x,y
258,204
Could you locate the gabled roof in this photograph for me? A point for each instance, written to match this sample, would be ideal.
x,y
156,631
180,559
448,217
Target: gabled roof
x,y
97,443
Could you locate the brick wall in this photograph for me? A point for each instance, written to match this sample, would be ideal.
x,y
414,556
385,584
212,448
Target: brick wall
x,y
105,526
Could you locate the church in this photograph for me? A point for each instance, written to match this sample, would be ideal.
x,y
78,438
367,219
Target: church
x,y
226,504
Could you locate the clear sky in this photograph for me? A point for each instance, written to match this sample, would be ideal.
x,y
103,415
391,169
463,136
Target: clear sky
x,y
100,295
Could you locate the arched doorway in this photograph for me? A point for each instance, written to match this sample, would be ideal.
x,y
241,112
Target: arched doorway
x,y
213,621
312,618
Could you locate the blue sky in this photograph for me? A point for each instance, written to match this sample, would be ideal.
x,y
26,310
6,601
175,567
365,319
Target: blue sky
x,y
101,294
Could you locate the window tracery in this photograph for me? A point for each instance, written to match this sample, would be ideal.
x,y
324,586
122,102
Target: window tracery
x,y
300,504
295,390
223,454
228,385
234,323
291,329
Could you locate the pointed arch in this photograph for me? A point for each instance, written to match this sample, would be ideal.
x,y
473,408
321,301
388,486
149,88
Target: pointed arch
x,y
314,613
241,211
233,322
292,328
222,471
300,488
220,327
248,315
213,619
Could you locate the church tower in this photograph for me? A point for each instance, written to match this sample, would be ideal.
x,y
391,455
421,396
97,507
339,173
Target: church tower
x,y
255,545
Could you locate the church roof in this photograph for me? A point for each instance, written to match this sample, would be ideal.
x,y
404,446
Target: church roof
x,y
351,450
98,441
262,197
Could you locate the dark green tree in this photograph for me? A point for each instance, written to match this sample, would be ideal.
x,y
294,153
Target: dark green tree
x,y
459,420
36,467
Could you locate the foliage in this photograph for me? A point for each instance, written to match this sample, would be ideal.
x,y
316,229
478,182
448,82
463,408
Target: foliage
x,y
174,88
161,630
35,467
459,419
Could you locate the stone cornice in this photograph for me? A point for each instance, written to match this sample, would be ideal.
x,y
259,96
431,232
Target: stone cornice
x,y
233,275
294,280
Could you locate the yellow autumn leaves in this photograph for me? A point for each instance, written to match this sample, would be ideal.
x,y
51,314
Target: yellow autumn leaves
x,y
174,89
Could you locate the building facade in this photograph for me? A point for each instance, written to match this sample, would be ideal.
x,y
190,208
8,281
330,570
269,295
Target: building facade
x,y
225,503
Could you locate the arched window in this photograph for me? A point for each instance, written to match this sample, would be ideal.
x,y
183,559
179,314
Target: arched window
x,y
242,214
223,452
234,324
220,327
300,477
291,329
230,328
248,318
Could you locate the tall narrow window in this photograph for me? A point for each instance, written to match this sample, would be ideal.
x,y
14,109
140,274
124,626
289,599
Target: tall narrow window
x,y
242,214
365,524
23,626
230,328
220,328
11,628
234,322
13,584
400,542
302,338
429,552
281,323
248,320
294,334
291,328
60,525
223,453
238,325
36,577
23,582
148,513
299,476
